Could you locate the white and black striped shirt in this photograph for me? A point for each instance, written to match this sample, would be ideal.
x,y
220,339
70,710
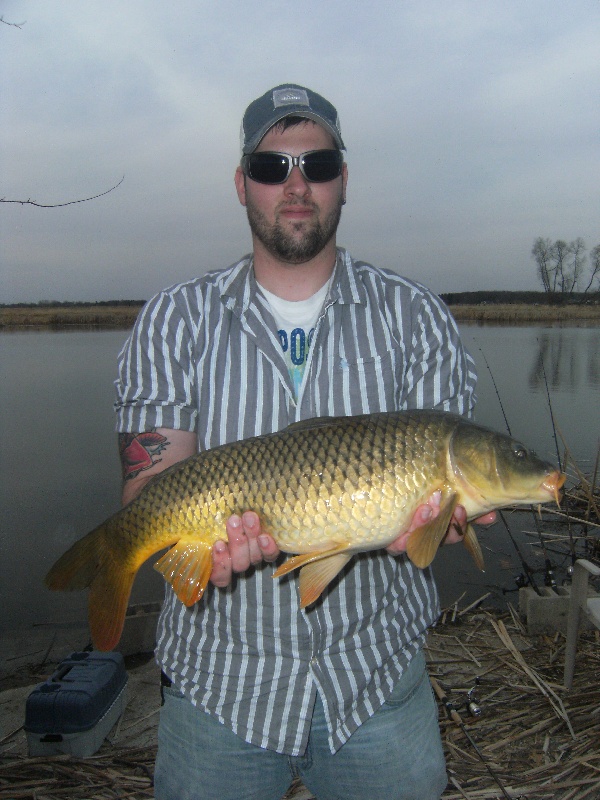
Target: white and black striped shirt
x,y
205,356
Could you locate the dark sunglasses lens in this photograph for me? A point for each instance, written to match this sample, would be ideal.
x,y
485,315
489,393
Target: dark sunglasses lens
x,y
322,165
267,167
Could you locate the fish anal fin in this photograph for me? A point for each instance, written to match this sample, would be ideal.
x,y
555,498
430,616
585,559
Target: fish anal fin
x,y
315,577
472,544
295,562
423,543
187,567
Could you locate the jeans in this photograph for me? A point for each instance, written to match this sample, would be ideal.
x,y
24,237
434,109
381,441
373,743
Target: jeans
x,y
395,755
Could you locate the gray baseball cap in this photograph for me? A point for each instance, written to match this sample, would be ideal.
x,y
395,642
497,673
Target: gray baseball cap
x,y
287,100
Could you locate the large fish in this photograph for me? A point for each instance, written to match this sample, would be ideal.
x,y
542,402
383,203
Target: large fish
x,y
325,488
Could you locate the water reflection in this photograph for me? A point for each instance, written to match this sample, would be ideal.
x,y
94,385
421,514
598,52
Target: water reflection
x,y
561,363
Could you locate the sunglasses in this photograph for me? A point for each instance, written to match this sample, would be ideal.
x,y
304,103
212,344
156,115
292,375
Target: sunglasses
x,y
317,166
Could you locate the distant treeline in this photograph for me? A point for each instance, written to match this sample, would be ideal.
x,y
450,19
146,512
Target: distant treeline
x,y
75,304
520,298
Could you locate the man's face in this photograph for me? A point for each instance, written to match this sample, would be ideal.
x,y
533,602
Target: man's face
x,y
294,220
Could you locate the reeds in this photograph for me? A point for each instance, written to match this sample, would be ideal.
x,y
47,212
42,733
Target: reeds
x,y
97,316
516,314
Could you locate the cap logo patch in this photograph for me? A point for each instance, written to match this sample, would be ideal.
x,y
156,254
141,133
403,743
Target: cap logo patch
x,y
287,97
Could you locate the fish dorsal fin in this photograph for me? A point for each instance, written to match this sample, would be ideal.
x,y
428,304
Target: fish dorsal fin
x,y
474,548
315,422
187,567
423,542
315,577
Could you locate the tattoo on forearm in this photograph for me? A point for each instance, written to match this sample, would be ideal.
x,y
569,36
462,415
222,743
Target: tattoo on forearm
x,y
139,451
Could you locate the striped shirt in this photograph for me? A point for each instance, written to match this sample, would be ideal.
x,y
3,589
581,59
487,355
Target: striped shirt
x,y
205,356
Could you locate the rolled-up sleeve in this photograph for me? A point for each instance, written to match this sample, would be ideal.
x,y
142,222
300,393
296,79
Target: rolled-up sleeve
x,y
440,372
155,387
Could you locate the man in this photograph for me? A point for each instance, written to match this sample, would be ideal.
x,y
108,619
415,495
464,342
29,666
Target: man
x,y
257,690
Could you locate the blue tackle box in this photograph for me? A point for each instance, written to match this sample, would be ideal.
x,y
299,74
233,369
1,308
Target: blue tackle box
x,y
74,710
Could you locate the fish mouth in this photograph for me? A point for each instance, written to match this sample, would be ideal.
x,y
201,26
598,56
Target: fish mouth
x,y
553,484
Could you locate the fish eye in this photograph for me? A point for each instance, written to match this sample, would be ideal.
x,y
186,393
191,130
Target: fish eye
x,y
520,451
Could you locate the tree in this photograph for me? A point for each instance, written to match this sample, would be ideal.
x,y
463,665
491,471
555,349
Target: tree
x,y
542,253
594,268
560,265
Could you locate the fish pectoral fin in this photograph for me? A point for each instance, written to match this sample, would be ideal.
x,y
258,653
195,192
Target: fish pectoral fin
x,y
474,548
423,543
187,567
315,577
295,562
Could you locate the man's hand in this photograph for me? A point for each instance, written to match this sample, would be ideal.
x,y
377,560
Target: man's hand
x,y
429,511
246,545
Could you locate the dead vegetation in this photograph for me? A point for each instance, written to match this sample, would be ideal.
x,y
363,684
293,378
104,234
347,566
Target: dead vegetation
x,y
533,739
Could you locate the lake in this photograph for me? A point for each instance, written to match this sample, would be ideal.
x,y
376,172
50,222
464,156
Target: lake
x,y
60,473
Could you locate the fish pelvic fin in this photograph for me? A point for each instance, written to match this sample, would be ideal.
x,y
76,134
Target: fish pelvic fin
x,y
187,567
423,543
317,570
315,577
296,562
472,544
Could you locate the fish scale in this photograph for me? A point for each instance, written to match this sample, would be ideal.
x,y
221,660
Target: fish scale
x,y
325,489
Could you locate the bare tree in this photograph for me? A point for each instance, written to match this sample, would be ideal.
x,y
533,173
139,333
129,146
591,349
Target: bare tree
x,y
577,262
542,253
594,268
561,266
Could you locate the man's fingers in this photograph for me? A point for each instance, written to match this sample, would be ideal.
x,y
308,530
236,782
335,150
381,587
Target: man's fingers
x,y
246,545
221,571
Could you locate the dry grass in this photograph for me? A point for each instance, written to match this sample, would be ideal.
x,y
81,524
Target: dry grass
x,y
526,314
102,316
117,316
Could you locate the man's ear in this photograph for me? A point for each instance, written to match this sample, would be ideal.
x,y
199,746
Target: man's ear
x,y
240,185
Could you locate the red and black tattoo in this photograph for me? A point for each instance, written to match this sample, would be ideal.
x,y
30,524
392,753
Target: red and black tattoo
x,y
138,451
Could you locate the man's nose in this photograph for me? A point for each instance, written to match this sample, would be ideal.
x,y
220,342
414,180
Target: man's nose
x,y
297,183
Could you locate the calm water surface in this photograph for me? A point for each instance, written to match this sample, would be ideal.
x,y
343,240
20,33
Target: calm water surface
x,y
60,475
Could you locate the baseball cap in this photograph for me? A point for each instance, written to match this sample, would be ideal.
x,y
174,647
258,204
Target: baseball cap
x,y
287,100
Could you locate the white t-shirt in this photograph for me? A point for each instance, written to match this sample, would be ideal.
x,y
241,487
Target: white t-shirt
x,y
296,320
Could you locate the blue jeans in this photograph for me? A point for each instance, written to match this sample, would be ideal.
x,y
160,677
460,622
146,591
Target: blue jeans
x,y
395,755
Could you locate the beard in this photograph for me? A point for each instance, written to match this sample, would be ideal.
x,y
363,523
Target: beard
x,y
290,248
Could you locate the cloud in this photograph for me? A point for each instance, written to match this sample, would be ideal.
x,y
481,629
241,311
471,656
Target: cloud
x,y
471,129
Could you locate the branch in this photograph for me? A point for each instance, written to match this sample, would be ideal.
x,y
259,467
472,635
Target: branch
x,y
12,24
60,205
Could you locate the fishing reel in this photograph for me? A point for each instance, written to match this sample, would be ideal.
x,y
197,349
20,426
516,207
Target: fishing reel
x,y
471,703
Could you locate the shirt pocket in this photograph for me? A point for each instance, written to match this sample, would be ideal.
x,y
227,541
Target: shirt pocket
x,y
370,384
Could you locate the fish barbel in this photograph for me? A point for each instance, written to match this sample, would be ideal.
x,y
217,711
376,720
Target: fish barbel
x,y
324,488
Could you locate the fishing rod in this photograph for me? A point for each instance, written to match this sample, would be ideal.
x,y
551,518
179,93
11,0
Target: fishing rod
x,y
549,576
453,714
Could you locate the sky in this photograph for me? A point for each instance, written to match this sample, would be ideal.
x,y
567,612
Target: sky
x,y
472,127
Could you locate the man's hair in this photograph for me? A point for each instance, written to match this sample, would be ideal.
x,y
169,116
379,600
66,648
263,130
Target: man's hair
x,y
292,121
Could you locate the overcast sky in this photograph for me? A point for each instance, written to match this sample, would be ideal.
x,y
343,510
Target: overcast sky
x,y
472,127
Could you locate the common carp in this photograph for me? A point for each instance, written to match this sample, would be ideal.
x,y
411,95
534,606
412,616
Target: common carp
x,y
324,488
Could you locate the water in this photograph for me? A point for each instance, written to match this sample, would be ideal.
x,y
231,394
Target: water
x,y
60,473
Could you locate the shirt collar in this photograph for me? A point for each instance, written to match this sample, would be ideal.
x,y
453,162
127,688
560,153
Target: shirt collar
x,y
239,287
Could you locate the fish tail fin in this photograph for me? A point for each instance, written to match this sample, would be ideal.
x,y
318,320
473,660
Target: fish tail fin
x,y
90,562
107,603
77,568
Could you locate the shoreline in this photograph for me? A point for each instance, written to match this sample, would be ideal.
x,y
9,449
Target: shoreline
x,y
14,318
